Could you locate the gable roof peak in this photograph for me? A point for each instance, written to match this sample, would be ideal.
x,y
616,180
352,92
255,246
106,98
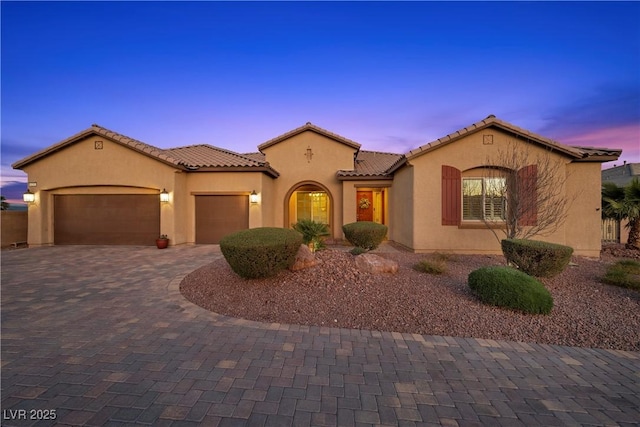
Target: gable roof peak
x,y
309,127
143,148
492,120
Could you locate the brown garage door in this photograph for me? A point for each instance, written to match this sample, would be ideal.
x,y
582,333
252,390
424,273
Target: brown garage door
x,y
217,216
106,219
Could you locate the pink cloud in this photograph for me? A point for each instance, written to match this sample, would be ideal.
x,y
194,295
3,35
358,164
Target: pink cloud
x,y
626,137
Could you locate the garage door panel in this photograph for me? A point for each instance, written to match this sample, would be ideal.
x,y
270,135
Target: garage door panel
x,y
111,219
219,215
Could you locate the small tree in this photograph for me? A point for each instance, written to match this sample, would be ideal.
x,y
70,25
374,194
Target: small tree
x,y
532,190
4,205
624,203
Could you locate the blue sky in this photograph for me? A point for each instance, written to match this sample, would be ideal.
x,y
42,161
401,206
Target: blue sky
x,y
391,76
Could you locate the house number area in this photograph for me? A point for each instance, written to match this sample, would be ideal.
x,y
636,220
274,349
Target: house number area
x,y
32,414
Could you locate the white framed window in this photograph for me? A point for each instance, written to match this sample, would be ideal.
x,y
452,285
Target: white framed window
x,y
484,199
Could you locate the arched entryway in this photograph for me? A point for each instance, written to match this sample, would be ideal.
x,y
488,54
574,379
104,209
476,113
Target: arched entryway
x,y
308,200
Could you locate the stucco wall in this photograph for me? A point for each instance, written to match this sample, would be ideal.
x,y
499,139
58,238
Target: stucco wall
x,y
83,169
289,158
471,152
120,170
221,183
583,226
401,208
14,227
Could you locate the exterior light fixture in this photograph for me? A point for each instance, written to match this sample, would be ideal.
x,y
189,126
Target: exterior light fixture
x,y
164,196
28,196
253,197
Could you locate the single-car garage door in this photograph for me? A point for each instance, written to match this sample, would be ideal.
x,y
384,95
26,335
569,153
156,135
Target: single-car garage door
x,y
106,219
217,216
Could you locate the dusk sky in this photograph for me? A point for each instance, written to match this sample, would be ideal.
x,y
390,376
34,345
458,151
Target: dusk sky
x,y
391,76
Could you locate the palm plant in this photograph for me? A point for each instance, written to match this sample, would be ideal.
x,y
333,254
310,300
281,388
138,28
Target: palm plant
x,y
624,203
312,232
4,205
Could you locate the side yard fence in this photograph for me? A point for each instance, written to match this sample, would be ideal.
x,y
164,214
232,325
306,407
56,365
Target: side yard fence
x,y
14,227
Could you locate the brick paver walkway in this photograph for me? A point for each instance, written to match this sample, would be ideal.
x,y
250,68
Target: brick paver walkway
x,y
102,336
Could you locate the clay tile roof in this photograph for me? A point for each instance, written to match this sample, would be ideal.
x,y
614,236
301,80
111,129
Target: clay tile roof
x,y
309,127
494,121
259,157
190,157
621,175
134,143
371,164
95,129
204,155
598,153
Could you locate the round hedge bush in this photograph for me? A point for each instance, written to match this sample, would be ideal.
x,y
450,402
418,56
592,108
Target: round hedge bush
x,y
365,234
537,258
261,252
510,288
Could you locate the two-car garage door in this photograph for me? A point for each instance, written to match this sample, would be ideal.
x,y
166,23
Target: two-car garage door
x,y
106,219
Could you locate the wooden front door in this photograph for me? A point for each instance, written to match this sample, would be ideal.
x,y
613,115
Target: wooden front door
x,y
364,206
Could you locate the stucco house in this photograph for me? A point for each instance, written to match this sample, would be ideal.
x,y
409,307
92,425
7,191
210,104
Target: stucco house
x,y
101,187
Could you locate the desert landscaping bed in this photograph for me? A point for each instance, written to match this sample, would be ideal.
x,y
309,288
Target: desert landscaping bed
x,y
586,313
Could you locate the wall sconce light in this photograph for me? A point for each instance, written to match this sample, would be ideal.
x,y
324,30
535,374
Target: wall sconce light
x,y
253,197
28,196
164,196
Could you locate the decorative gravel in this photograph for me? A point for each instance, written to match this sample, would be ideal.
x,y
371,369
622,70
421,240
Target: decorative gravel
x,y
586,313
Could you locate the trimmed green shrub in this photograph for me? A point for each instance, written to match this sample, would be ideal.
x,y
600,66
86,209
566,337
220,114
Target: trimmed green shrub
x,y
365,234
312,232
261,252
536,258
624,273
357,251
431,267
510,288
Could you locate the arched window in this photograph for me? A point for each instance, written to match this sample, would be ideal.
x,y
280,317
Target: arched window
x,y
310,202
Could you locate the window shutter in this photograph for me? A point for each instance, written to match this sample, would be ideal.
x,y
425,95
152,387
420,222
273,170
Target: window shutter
x,y
451,195
527,194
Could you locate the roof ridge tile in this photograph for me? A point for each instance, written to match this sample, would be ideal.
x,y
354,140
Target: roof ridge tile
x,y
312,127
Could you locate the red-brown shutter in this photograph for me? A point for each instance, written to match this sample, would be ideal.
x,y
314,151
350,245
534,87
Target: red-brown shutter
x,y
527,195
451,195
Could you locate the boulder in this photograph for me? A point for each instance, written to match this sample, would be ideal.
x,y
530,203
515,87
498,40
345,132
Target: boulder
x,y
304,259
372,263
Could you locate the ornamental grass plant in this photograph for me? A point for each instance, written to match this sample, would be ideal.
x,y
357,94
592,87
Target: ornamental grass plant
x,y
624,273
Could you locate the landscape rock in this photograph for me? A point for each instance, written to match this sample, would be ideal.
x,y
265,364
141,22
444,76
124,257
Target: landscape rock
x,y
304,259
372,263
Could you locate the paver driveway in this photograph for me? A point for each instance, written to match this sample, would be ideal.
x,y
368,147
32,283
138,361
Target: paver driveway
x,y
102,336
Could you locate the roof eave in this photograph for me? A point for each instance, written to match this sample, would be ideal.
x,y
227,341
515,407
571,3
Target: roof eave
x,y
163,158
52,149
495,122
365,177
599,158
264,169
